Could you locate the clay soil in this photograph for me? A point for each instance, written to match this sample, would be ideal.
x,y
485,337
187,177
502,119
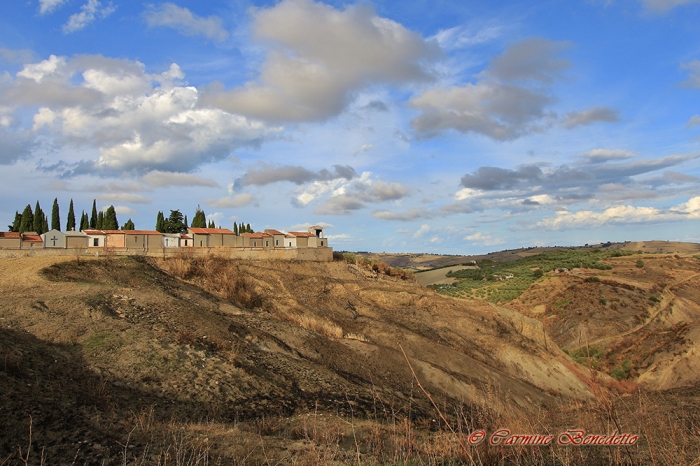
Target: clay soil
x,y
213,361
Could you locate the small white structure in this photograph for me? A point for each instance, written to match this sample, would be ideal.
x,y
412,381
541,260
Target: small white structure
x,y
171,240
96,238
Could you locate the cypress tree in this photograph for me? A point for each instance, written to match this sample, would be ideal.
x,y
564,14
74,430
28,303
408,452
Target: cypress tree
x,y
27,221
70,223
100,220
160,222
45,225
84,221
110,221
186,226
15,223
235,228
129,225
93,217
248,229
199,220
55,216
38,223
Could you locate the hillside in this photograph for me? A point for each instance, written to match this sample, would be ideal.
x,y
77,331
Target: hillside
x,y
134,361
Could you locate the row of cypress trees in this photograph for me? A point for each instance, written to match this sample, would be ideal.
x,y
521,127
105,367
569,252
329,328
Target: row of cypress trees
x,y
176,223
37,221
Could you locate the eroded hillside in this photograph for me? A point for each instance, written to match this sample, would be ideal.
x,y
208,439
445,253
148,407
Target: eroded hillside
x,y
114,360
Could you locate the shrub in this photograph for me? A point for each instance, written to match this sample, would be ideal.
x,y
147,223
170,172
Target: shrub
x,y
603,301
537,273
640,263
654,298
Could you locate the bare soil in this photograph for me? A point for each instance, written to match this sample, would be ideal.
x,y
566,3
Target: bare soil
x,y
144,361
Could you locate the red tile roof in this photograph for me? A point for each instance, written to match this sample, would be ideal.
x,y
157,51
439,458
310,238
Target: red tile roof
x,y
302,234
139,232
32,238
211,231
94,232
256,235
273,232
9,234
183,236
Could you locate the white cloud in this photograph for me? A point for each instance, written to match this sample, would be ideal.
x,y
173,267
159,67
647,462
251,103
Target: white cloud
x,y
47,6
363,148
694,121
484,239
89,12
124,210
422,231
129,198
186,22
694,74
319,56
604,155
138,121
591,115
157,178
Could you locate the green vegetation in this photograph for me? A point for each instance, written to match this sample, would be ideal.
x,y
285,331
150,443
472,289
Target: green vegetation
x,y
640,264
622,372
587,355
505,281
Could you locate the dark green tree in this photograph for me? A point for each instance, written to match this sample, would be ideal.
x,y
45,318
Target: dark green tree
x,y
15,223
93,217
100,220
174,223
38,223
211,224
248,229
129,225
235,228
110,221
45,225
70,223
199,220
27,222
55,216
160,222
186,225
84,221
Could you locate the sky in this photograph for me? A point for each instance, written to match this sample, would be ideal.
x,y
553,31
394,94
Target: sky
x,y
448,126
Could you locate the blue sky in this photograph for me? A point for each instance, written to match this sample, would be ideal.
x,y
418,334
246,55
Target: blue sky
x,y
452,127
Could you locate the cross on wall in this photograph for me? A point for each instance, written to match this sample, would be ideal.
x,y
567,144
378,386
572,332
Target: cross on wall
x,y
54,239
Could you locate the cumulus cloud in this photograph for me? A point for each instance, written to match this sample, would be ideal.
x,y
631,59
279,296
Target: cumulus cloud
x,y
591,115
185,22
266,174
318,57
48,6
506,102
339,205
89,12
239,200
422,231
138,121
157,178
15,145
123,210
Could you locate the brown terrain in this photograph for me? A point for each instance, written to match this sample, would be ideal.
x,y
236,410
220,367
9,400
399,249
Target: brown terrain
x,y
212,361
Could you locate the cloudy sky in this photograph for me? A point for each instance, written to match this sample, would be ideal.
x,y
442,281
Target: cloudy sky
x,y
449,126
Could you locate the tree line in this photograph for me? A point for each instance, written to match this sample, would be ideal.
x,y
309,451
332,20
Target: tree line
x,y
37,221
177,223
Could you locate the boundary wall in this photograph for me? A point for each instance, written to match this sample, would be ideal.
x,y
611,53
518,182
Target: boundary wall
x,y
324,254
